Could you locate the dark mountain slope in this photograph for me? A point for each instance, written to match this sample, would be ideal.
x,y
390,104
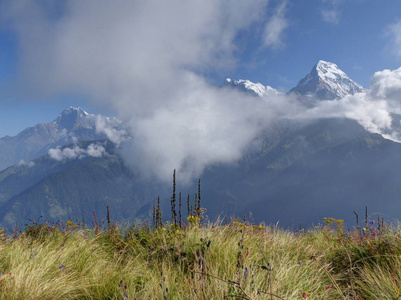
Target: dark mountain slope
x,y
325,169
74,188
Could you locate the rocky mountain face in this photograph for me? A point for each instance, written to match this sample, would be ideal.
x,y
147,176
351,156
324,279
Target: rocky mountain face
x,y
72,125
326,82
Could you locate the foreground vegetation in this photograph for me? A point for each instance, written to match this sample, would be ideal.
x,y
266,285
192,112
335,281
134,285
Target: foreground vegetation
x,y
200,261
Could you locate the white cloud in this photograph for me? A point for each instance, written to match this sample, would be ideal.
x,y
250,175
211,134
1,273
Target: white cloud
x,y
66,153
275,27
386,85
144,58
205,126
373,115
114,134
94,150
120,52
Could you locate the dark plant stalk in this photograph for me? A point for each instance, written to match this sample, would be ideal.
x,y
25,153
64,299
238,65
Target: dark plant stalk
x,y
158,213
154,215
108,218
357,221
366,219
173,200
189,207
199,198
179,211
378,222
196,205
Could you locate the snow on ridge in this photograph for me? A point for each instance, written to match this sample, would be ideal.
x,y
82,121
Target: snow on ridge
x,y
333,76
257,88
73,109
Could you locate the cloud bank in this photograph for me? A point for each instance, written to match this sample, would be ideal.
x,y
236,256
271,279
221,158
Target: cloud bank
x,y
149,61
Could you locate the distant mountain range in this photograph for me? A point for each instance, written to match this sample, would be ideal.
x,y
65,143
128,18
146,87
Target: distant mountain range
x,y
72,125
301,172
325,82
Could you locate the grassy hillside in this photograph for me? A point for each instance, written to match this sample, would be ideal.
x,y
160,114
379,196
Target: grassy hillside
x,y
237,260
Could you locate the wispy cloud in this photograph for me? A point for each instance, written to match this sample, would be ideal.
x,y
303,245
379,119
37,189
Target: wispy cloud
x,y
394,31
331,16
275,27
331,11
23,163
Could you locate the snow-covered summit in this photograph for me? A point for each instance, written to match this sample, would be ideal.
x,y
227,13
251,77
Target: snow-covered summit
x,y
327,81
75,117
248,86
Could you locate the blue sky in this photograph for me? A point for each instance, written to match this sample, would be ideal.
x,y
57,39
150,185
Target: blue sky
x,y
278,48
358,40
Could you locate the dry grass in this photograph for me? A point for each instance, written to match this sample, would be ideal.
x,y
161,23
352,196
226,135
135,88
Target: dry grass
x,y
236,261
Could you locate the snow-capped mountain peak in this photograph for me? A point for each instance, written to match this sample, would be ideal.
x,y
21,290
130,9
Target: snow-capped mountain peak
x,y
248,86
71,126
75,111
73,117
327,81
